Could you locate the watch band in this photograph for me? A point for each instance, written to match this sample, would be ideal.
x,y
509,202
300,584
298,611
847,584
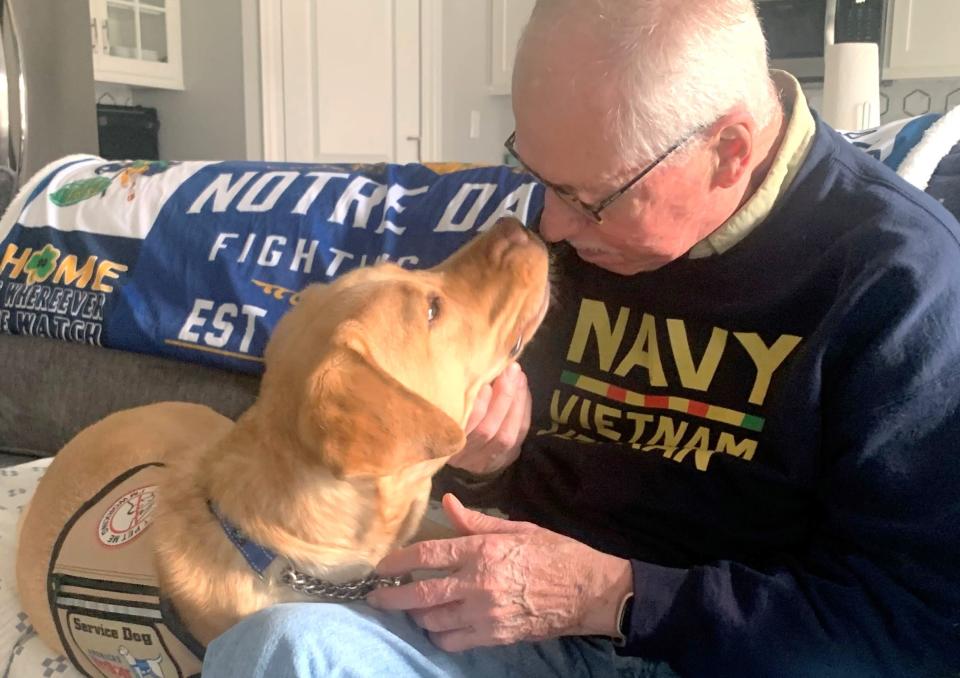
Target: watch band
x,y
624,617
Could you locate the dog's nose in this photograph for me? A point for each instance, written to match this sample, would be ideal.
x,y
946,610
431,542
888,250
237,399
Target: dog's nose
x,y
507,236
513,231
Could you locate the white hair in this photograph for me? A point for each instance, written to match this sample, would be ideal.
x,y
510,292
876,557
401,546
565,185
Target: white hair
x,y
678,65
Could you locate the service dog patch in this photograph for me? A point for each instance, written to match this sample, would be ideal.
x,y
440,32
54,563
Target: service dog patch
x,y
118,648
130,515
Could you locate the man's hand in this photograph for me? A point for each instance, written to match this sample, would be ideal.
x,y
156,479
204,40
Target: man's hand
x,y
497,425
508,582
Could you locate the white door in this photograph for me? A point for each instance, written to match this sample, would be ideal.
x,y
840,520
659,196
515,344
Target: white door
x,y
341,80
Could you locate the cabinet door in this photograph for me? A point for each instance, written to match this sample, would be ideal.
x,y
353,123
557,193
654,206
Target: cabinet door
x,y
923,39
341,80
508,17
138,42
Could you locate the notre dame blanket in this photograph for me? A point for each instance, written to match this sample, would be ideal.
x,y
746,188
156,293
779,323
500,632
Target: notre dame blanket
x,y
198,260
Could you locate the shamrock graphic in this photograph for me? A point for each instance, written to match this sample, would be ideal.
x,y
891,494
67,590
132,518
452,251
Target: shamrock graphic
x,y
41,264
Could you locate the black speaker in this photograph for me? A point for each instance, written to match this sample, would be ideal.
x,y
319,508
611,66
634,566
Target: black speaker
x,y
128,132
860,21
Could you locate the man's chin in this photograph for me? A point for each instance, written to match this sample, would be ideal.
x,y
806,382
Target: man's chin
x,y
614,262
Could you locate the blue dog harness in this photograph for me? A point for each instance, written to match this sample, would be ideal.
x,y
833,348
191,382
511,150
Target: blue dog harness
x,y
259,558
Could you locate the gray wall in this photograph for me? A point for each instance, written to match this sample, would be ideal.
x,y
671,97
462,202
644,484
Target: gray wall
x,y
465,78
206,121
58,70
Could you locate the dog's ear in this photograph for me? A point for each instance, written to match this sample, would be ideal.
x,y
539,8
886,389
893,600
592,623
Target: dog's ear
x,y
363,422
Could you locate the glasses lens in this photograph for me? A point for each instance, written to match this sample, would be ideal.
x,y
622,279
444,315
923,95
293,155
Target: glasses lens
x,y
574,203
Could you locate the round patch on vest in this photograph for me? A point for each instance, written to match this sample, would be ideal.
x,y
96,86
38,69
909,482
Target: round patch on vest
x,y
129,515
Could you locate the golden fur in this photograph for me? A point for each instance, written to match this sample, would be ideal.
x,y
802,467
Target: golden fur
x,y
362,401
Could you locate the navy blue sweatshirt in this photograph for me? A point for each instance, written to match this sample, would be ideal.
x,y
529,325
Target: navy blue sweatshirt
x,y
771,434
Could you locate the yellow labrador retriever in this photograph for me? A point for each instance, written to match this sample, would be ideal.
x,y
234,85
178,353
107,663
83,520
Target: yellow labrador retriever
x,y
164,525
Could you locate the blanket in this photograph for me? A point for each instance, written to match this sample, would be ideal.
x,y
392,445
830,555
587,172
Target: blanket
x,y
198,260
922,150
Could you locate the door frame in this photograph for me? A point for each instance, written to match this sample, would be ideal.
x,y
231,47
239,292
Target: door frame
x,y
271,81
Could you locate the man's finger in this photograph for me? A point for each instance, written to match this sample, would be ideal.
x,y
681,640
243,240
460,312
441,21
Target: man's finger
x,y
456,641
528,411
480,405
467,521
435,554
515,425
448,617
501,399
418,595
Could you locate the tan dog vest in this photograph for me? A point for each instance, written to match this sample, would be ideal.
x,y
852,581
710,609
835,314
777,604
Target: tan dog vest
x,y
102,587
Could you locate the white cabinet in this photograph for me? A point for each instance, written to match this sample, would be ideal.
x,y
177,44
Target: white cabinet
x,y
922,39
137,42
508,19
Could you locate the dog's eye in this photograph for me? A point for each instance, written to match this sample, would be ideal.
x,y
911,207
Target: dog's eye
x,y
433,311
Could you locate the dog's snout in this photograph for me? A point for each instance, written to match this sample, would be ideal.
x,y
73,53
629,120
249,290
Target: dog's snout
x,y
508,235
507,246
514,232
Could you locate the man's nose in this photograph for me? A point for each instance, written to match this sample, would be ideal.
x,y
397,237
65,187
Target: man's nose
x,y
558,221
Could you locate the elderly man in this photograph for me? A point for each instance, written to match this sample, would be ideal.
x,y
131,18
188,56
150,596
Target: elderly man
x,y
743,458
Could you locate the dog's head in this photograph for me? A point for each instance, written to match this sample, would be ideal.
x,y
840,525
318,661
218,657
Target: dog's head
x,y
379,370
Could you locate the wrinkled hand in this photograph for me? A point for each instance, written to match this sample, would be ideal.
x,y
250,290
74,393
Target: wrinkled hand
x,y
497,425
508,582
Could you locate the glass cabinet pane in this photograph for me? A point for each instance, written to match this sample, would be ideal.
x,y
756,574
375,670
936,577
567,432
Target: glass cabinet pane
x,y
121,30
137,29
153,36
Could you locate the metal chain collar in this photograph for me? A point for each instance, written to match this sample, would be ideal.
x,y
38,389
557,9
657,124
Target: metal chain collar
x,y
351,590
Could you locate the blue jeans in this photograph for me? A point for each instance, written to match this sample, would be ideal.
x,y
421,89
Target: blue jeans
x,y
347,641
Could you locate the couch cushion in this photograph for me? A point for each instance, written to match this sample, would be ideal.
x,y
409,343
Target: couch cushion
x,y
50,390
7,459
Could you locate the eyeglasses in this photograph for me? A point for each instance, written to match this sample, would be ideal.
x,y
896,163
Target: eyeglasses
x,y
593,210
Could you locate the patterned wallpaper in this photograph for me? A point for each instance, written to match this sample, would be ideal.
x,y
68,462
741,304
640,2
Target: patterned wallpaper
x,y
907,98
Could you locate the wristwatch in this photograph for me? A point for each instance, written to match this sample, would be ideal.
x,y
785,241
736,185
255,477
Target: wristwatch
x,y
624,616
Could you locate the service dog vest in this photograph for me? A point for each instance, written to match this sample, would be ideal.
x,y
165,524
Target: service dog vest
x,y
102,588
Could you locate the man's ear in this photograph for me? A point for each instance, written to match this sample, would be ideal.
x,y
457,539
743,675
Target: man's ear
x,y
363,422
733,145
